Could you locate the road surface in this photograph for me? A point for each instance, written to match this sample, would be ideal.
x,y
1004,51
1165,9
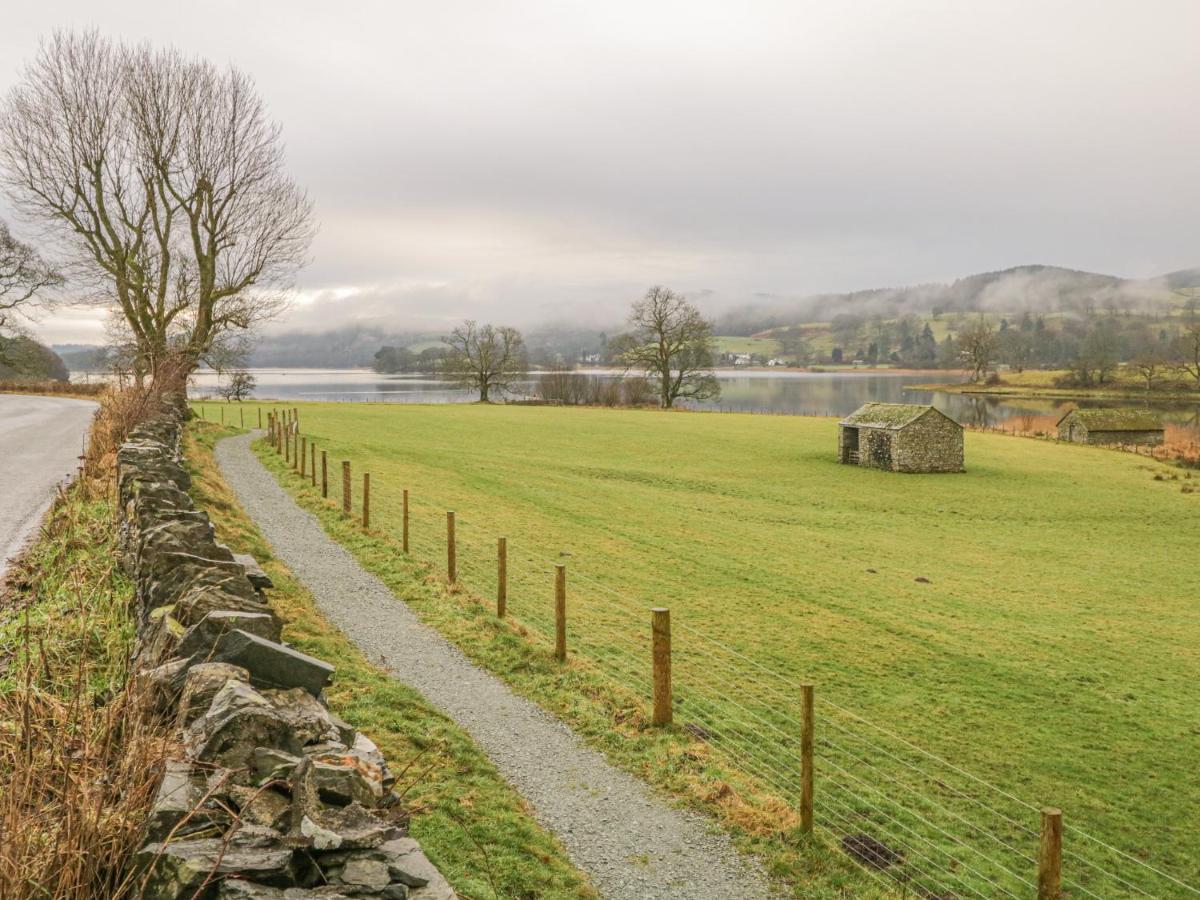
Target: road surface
x,y
41,439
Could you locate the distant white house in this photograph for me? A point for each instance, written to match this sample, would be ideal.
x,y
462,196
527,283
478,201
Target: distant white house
x,y
741,359
776,362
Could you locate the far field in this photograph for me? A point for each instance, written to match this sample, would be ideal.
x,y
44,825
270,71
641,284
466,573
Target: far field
x,y
1034,622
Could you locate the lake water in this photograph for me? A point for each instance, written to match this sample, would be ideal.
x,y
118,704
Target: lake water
x,y
781,392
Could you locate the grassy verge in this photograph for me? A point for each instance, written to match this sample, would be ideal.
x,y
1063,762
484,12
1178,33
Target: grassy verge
x,y
607,715
470,821
1041,383
55,388
80,754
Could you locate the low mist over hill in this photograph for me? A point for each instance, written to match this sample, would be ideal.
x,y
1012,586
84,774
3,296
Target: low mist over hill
x,y
1035,289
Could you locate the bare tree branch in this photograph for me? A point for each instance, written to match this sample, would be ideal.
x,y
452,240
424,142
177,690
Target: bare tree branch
x,y
485,358
672,343
163,179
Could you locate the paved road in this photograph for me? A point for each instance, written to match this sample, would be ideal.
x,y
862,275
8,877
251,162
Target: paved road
x,y
618,831
41,439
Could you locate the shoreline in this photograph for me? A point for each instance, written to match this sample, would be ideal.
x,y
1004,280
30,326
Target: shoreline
x,y
1054,393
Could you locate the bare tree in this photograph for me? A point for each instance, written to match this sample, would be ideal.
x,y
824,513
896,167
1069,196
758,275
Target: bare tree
x,y
1187,352
977,347
23,273
672,343
485,358
163,179
240,386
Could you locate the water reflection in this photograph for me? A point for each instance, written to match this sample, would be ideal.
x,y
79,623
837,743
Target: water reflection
x,y
796,393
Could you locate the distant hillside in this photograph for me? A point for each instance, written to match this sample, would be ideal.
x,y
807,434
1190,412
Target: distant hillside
x,y
344,348
24,358
1044,289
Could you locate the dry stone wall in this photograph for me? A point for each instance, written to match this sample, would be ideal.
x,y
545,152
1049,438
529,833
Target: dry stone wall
x,y
271,795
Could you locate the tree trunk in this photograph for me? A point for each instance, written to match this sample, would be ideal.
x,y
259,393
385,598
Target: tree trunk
x,y
483,393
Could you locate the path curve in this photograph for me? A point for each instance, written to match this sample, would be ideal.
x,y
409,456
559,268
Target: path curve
x,y
631,843
41,440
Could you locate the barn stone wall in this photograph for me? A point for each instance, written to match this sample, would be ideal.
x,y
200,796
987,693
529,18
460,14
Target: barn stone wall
x,y
933,443
1122,437
1081,435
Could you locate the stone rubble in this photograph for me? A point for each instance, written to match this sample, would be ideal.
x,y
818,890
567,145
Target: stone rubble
x,y
274,797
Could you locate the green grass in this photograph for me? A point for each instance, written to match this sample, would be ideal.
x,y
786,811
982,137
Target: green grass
x,y
69,601
1049,649
1125,384
764,346
471,823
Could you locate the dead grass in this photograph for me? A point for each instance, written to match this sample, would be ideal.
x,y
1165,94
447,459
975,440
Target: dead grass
x,y
65,388
80,748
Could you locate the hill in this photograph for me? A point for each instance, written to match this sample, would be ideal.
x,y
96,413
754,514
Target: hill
x,y
1032,288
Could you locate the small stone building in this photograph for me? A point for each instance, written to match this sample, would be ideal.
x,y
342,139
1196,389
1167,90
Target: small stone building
x,y
901,437
1111,426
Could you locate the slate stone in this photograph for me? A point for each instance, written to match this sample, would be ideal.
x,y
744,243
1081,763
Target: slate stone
x,y
200,639
239,720
202,683
179,869
179,793
257,575
270,664
239,889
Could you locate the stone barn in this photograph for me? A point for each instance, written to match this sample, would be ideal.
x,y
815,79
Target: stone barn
x,y
901,437
1111,426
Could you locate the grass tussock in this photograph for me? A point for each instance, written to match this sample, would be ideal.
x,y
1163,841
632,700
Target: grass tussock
x,y
80,749
65,388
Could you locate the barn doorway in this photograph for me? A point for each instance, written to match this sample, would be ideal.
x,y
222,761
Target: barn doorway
x,y
849,444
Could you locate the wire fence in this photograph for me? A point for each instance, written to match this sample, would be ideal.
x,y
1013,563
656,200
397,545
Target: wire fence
x,y
907,816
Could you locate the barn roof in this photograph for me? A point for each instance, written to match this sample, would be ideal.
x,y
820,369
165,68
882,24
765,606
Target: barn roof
x,y
1117,419
887,415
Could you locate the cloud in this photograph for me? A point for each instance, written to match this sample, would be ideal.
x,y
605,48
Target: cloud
x,y
509,161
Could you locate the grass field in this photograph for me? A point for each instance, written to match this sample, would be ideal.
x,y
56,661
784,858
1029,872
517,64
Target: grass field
x,y
475,827
1032,622
764,346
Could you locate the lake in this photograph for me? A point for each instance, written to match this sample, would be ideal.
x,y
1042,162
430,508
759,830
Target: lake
x,y
779,392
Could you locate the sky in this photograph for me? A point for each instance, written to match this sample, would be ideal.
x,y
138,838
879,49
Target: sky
x,y
525,163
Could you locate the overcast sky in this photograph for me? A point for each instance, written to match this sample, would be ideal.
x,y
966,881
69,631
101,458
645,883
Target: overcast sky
x,y
518,162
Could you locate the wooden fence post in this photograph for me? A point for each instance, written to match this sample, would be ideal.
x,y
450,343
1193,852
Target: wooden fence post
x,y
324,474
366,499
560,613
222,409
451,548
303,456
296,455
660,630
346,487
312,468
501,576
404,522
1050,855
295,415
242,416
260,418
806,758
287,447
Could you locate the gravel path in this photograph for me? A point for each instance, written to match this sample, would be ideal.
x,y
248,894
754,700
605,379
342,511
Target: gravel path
x,y
631,843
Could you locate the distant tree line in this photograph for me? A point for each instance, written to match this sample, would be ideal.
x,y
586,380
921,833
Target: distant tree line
x,y
396,360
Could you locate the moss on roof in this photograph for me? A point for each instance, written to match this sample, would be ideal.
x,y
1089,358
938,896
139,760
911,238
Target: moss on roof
x,y
886,415
1117,419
